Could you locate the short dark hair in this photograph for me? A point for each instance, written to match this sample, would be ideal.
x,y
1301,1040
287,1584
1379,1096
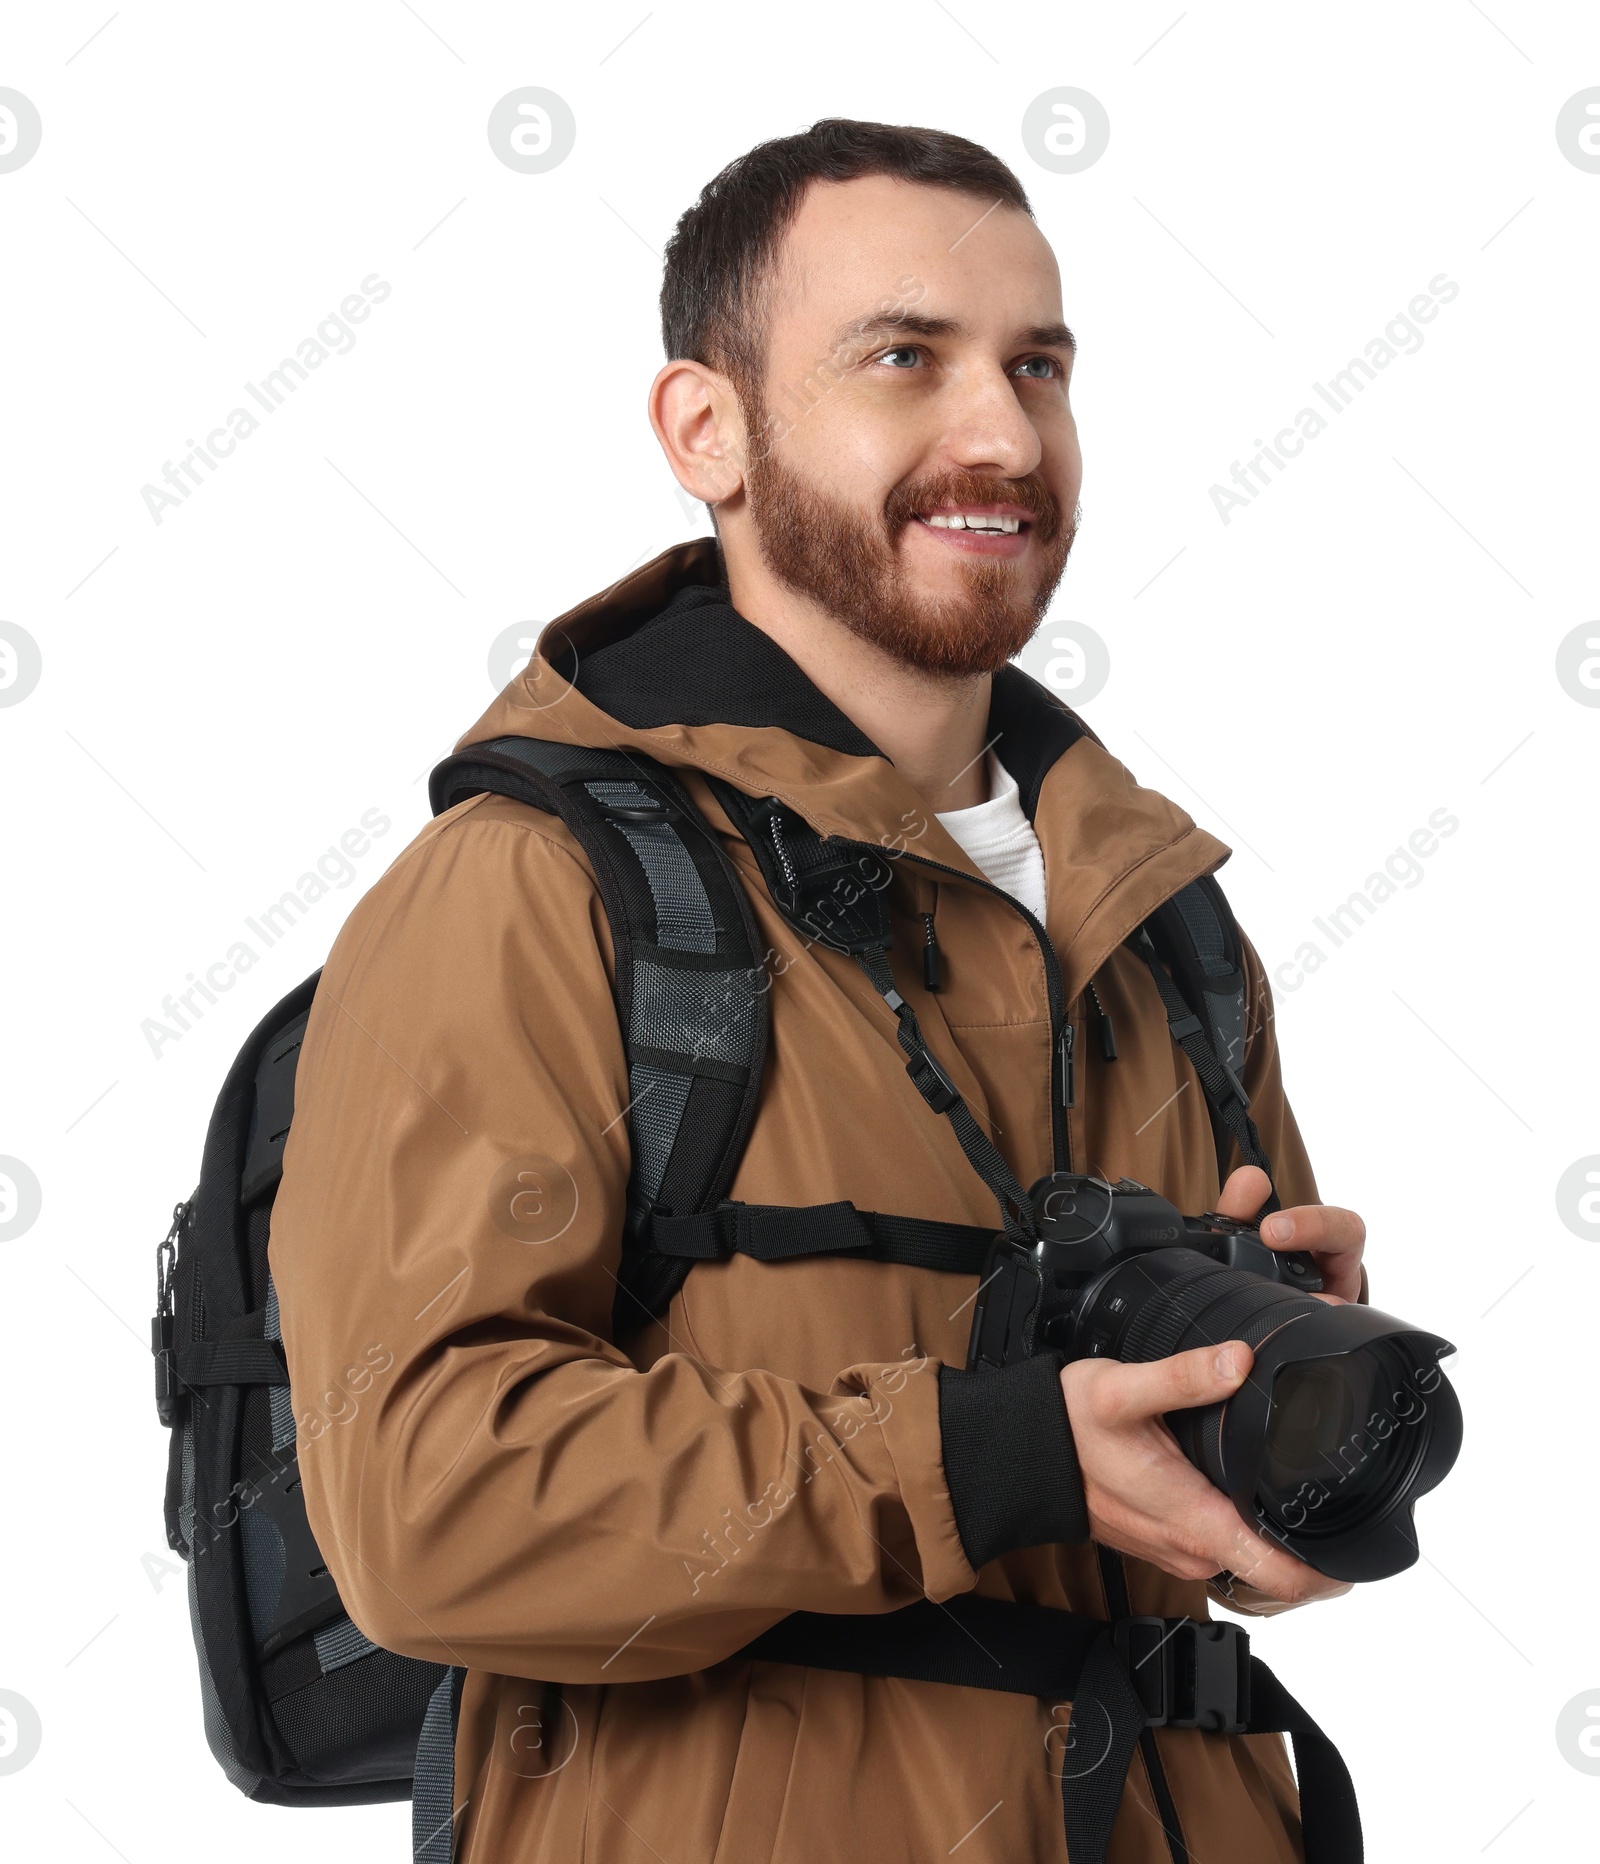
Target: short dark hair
x,y
723,248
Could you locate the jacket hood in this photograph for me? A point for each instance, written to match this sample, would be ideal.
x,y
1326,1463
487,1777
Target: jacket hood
x,y
661,662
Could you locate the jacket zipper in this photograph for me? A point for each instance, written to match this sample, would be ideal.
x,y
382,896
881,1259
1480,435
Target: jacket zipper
x,y
1062,1095
1061,1038
1108,1035
930,945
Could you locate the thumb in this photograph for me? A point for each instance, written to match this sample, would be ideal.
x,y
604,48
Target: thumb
x,y
1246,1191
1204,1375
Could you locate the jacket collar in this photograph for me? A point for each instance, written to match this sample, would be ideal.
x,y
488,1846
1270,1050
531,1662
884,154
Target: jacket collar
x,y
662,663
699,662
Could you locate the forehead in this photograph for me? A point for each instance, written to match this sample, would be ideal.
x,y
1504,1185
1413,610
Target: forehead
x,y
854,243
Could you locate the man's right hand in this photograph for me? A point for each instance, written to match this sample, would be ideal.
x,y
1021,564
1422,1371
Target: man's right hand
x,y
1146,1498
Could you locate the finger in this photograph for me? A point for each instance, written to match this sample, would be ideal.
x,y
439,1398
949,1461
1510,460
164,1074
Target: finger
x,y
1261,1563
1127,1394
1199,1532
1246,1191
1335,1238
1202,1533
1323,1228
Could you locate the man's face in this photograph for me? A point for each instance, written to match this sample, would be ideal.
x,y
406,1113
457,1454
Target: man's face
x,y
916,387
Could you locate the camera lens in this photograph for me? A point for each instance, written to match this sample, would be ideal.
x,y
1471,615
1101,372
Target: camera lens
x,y
1344,1419
1334,1451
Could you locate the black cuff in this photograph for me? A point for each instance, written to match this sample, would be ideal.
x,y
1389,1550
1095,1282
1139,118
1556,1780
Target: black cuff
x,y
1009,1458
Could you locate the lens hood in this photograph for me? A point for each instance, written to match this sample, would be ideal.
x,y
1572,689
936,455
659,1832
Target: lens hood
x,y
1405,1444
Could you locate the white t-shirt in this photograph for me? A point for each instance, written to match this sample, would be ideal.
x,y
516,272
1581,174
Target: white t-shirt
x,y
999,840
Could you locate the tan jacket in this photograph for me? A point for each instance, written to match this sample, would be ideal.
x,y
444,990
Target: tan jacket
x,y
518,1493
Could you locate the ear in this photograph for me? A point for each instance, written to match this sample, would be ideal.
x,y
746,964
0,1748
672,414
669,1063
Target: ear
x,y
700,425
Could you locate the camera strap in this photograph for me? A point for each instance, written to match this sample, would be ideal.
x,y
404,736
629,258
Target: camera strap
x,y
940,1092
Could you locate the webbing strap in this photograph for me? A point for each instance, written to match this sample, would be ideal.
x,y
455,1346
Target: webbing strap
x,y
433,1789
341,1643
780,1232
983,1643
278,1396
684,918
232,1362
936,1087
1329,1815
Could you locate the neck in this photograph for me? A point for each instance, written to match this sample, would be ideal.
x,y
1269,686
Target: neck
x,y
931,726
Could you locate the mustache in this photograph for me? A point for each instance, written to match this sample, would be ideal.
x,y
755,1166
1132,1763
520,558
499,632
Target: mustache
x,y
905,502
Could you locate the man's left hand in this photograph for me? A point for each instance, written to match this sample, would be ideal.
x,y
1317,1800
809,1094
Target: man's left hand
x,y
1334,1238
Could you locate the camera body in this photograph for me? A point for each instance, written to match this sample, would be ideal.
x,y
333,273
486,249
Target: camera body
x,y
1344,1418
1074,1289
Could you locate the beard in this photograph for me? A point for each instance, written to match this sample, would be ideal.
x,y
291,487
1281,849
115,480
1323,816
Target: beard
x,y
848,563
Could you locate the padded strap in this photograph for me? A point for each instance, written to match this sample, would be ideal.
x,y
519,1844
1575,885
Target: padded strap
x,y
1214,940
1195,937
780,1232
690,989
1223,1089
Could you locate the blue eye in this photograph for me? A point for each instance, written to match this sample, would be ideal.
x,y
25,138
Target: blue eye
x,y
1050,363
902,349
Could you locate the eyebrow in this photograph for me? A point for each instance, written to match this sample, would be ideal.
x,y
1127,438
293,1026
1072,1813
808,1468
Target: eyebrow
x,y
914,324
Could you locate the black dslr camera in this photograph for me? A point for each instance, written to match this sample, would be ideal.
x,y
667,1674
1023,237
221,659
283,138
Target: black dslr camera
x,y
1345,1417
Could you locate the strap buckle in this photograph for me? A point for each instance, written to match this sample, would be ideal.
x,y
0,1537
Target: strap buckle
x,y
935,1087
654,808
1236,1084
1189,1672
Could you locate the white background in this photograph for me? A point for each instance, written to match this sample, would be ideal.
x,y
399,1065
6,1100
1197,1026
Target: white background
x,y
1373,639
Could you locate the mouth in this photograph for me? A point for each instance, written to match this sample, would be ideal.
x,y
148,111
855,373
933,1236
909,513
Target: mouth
x,y
977,530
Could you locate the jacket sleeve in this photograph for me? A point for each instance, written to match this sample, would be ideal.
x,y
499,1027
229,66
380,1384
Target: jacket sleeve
x,y
492,1480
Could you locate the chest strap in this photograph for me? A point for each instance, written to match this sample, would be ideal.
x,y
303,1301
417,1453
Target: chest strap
x,y
1120,1677
778,1232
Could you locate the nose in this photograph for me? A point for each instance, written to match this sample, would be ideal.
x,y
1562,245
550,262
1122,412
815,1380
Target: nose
x,y
987,429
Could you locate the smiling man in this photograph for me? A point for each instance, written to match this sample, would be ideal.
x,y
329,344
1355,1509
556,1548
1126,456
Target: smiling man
x,y
732,1575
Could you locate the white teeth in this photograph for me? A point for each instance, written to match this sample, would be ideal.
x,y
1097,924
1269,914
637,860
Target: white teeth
x,y
971,521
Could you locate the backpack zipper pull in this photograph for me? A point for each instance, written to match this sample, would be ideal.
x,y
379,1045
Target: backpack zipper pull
x,y
163,1326
930,954
1108,1035
1068,1085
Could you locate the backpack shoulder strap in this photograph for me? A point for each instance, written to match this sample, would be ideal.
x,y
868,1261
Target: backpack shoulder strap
x,y
690,986
1192,945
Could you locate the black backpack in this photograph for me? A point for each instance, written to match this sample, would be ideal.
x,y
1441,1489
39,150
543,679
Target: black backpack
x,y
300,1708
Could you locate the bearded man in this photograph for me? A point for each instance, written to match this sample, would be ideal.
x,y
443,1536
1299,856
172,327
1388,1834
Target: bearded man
x,y
591,1513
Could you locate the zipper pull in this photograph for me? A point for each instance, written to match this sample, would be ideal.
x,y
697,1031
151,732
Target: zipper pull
x,y
163,1326
1068,1086
930,955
